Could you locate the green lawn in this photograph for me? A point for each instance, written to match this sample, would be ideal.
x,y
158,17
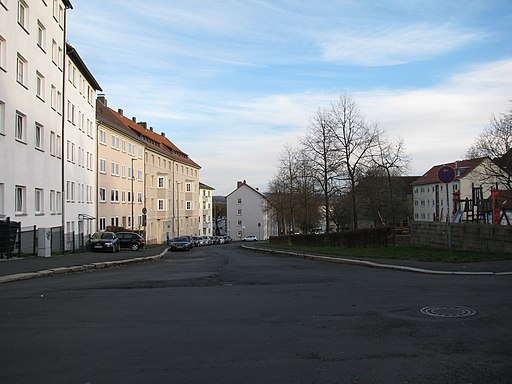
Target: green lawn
x,y
408,252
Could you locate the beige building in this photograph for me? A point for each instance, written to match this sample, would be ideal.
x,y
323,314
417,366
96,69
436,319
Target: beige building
x,y
120,171
166,180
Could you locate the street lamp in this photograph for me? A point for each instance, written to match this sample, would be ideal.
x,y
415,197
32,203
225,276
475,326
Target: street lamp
x,y
133,198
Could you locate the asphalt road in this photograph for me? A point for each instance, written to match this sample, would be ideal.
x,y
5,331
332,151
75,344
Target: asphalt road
x,y
221,314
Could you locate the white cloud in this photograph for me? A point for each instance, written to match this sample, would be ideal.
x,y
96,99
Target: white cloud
x,y
391,46
437,124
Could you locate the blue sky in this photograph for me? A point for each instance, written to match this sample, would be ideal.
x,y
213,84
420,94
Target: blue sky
x,y
232,82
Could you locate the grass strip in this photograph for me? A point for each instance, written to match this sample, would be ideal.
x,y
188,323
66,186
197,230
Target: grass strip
x,y
399,252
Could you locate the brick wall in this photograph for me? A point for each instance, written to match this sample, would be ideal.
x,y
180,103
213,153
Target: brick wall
x,y
477,237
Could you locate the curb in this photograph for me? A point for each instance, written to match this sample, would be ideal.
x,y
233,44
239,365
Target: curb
x,y
79,268
371,264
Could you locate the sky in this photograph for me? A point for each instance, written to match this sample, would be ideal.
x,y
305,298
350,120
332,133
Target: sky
x,y
233,82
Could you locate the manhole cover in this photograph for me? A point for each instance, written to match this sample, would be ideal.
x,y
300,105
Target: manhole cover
x,y
448,311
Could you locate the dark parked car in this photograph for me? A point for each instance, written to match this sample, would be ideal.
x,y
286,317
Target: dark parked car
x,y
105,241
181,243
131,240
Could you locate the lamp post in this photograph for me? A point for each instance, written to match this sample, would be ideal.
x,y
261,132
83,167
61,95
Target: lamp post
x,y
133,177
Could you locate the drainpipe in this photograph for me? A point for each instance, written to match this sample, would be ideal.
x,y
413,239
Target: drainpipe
x,y
63,121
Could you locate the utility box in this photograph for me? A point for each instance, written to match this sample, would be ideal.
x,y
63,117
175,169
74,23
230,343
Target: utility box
x,y
44,242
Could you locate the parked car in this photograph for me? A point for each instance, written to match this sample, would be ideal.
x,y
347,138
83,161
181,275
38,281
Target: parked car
x,y
250,238
198,241
227,239
131,240
105,241
218,240
181,243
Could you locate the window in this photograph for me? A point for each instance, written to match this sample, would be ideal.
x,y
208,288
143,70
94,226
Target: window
x,y
102,195
188,187
115,142
2,199
123,197
55,52
39,139
19,200
103,137
39,200
52,202
114,196
102,223
59,102
41,35
103,166
189,205
2,118
23,14
239,212
2,53
161,181
239,201
39,85
160,204
58,202
19,129
21,70
139,197
239,223
58,146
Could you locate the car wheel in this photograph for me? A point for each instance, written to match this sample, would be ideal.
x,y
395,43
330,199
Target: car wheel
x,y
135,247
114,248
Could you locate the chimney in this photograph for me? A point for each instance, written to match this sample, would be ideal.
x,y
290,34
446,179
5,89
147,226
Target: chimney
x,y
102,99
163,134
151,129
120,111
239,184
143,124
134,119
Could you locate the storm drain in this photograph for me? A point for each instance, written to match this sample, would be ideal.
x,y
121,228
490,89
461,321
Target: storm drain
x,y
451,311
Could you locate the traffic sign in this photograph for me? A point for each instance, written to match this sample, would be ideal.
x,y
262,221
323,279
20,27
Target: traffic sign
x,y
446,174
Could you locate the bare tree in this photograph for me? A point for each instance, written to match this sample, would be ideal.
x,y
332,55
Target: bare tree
x,y
496,142
354,140
392,159
319,149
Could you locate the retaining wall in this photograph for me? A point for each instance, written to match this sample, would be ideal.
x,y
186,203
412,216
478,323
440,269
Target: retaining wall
x,y
474,237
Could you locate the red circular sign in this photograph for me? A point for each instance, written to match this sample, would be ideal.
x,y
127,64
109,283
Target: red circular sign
x,y
446,174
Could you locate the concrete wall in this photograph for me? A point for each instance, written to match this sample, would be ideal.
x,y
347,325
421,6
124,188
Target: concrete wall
x,y
477,237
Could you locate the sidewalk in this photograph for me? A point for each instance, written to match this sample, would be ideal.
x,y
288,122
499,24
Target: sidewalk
x,y
500,267
16,269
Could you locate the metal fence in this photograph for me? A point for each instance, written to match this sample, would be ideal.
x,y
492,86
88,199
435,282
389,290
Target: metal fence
x,y
16,241
9,238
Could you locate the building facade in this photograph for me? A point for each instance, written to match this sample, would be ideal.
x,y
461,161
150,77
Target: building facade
x,y
166,183
206,210
32,60
120,174
435,201
80,155
248,213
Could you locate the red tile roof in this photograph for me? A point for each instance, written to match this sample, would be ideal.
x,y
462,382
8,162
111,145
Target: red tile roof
x,y
463,167
151,139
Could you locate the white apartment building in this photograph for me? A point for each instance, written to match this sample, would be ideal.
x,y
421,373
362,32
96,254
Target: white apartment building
x,y
32,46
248,213
79,138
206,210
430,202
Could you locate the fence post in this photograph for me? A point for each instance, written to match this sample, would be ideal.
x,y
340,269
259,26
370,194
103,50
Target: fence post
x,y
34,241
